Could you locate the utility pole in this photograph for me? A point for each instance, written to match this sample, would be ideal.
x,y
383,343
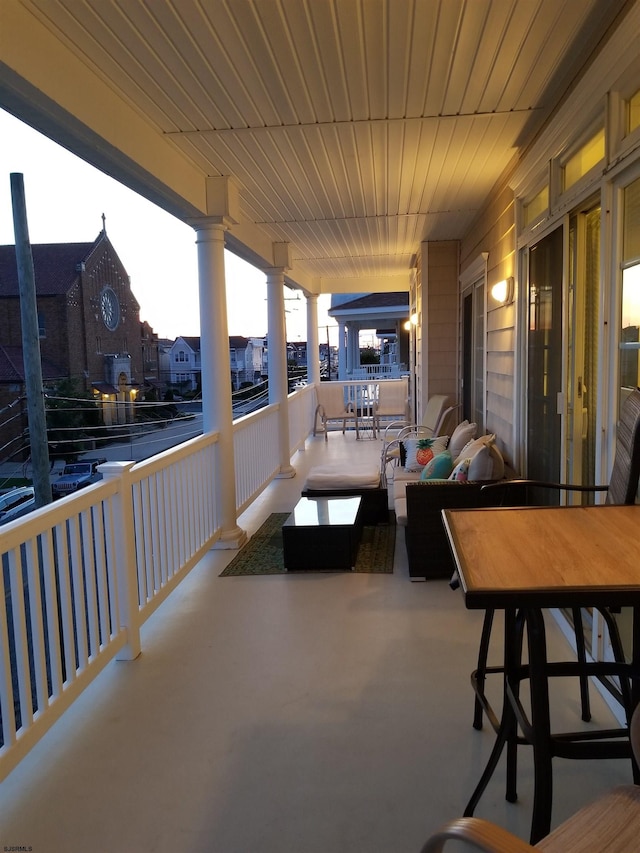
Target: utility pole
x,y
31,346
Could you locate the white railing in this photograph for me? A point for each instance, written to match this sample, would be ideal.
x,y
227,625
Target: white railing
x,y
302,405
379,371
81,576
256,454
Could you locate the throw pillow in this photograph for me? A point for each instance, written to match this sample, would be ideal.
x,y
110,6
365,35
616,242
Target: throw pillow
x,y
481,465
419,451
461,436
461,472
470,450
498,463
438,468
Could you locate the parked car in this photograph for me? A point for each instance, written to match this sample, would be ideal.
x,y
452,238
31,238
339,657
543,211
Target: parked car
x,y
76,475
14,501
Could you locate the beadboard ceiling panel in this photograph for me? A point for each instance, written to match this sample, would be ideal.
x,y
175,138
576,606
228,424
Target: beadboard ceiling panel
x,y
355,129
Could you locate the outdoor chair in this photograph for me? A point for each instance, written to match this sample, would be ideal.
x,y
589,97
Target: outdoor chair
x,y
437,418
611,823
622,489
332,407
392,401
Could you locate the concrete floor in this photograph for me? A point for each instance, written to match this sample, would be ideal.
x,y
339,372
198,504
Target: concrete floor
x,y
328,713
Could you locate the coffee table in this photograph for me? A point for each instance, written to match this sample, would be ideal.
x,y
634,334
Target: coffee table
x,y
322,534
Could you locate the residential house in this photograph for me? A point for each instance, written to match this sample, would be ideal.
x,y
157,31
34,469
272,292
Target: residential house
x,y
385,313
164,362
246,357
186,367
297,353
150,347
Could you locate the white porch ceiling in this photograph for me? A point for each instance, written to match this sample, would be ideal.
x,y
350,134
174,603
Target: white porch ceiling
x,y
355,129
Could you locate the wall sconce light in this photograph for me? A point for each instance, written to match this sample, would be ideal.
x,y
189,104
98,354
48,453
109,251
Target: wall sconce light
x,y
502,291
412,321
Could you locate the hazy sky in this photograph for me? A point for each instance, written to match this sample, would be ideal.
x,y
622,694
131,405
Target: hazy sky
x,y
65,199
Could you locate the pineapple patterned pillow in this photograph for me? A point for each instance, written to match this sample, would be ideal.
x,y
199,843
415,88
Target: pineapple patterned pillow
x,y
420,451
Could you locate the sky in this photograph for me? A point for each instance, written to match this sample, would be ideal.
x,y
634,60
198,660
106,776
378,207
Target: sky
x,y
65,199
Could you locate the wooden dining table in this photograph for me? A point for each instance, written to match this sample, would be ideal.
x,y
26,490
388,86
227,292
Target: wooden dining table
x,y
523,561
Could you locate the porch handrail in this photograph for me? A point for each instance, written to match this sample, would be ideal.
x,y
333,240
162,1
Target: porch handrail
x,y
81,576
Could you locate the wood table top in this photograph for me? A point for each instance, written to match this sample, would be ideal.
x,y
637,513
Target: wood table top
x,y
547,556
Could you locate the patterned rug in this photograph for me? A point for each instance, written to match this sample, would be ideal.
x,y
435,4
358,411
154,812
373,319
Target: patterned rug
x,y
262,555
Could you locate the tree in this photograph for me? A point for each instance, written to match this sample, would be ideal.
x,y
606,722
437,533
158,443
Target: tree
x,y
72,418
368,355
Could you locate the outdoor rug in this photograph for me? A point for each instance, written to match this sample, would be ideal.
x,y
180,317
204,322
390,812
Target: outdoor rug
x,y
262,555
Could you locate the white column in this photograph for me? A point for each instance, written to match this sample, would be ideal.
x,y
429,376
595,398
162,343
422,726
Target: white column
x,y
278,386
217,413
351,335
342,353
313,340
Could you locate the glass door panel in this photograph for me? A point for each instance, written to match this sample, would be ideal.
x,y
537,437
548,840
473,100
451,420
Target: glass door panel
x,y
582,350
544,362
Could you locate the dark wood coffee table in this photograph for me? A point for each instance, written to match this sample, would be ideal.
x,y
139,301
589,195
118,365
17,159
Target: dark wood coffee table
x,y
322,534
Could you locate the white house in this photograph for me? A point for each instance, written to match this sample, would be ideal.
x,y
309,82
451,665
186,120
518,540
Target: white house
x,y
247,358
185,363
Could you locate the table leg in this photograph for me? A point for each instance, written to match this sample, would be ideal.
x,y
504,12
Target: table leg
x,y
635,682
513,691
539,732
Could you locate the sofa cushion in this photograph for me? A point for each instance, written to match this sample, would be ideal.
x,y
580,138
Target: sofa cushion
x,y
338,476
419,451
438,468
400,474
460,437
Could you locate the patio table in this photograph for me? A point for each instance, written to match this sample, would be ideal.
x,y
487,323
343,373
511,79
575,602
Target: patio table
x,y
521,560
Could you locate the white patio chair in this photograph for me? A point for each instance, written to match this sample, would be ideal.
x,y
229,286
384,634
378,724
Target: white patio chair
x,y
332,407
392,401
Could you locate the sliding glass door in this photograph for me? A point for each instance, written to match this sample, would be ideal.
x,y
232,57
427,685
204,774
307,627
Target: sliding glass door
x,y
544,361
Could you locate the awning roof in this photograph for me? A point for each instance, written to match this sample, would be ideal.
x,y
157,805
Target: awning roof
x,y
104,388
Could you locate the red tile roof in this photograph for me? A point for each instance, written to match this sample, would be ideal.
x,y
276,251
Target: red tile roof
x,y
12,366
54,266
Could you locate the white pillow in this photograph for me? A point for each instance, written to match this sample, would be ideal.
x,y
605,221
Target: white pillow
x,y
461,436
481,465
486,464
470,449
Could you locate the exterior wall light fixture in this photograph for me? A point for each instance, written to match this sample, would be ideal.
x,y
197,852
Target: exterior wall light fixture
x,y
412,321
502,291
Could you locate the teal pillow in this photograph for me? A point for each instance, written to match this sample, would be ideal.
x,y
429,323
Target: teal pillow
x,y
438,468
